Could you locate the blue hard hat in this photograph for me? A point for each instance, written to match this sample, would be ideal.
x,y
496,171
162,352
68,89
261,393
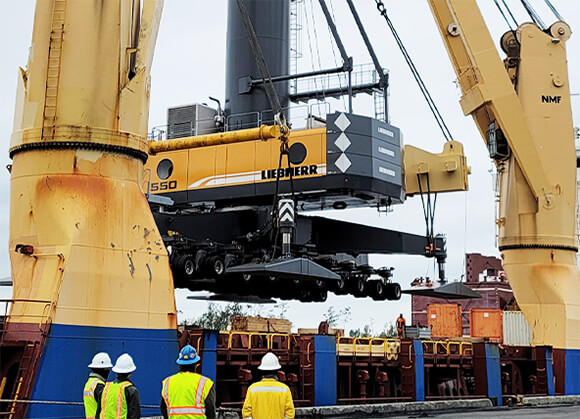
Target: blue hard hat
x,y
187,356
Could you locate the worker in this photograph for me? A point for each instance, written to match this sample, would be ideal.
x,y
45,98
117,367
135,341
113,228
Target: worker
x,y
268,398
120,398
188,394
100,369
401,322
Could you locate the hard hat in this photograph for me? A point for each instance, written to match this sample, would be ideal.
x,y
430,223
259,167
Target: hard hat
x,y
187,356
124,364
269,362
101,360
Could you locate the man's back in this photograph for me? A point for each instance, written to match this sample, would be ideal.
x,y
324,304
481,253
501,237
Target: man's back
x,y
188,393
268,399
120,398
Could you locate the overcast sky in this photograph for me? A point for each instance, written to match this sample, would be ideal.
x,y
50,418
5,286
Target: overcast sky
x,y
189,66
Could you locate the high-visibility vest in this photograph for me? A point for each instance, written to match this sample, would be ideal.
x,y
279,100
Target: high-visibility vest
x,y
113,401
185,393
89,396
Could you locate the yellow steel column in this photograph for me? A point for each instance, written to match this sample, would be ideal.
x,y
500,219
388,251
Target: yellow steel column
x,y
78,147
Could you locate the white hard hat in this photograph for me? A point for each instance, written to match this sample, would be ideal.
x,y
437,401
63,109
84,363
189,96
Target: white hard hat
x,y
101,360
269,362
124,364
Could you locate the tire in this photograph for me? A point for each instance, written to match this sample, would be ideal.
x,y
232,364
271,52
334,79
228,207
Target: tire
x,y
320,296
339,287
319,284
377,290
305,296
358,286
218,267
393,291
183,268
244,284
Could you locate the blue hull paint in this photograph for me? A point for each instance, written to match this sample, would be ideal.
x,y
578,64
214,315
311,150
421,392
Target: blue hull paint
x,y
324,371
419,371
493,363
68,350
572,372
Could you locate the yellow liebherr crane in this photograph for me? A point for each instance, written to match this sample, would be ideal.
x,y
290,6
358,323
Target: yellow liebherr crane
x,y
522,104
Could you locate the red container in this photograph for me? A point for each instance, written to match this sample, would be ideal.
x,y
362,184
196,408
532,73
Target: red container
x,y
486,323
444,320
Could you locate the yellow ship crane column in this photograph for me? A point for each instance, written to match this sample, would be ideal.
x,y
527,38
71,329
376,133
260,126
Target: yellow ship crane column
x,y
90,270
524,103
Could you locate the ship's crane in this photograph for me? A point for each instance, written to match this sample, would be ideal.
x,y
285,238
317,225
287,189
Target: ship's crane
x,y
521,106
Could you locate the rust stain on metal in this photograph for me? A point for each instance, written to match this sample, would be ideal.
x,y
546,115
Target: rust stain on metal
x,y
131,266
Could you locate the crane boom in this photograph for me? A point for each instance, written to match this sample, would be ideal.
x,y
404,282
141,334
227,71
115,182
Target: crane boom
x,y
525,100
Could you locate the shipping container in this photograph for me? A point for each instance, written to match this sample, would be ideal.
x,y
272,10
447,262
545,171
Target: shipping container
x,y
483,275
486,323
493,295
516,330
444,320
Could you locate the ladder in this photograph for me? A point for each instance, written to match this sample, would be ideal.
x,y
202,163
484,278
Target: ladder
x,y
295,39
379,101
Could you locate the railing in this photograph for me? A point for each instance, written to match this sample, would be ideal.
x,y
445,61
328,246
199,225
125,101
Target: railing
x,y
299,117
383,347
257,340
362,74
442,347
8,303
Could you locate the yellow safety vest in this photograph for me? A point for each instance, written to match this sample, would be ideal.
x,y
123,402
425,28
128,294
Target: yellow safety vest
x,y
185,393
89,397
113,401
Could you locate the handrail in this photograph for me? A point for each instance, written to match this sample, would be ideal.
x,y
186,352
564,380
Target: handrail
x,y
267,335
284,335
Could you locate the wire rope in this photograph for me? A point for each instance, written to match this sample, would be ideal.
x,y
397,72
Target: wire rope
x,y
430,102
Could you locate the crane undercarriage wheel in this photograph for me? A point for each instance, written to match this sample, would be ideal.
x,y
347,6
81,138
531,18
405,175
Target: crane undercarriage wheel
x,y
358,286
393,291
339,287
377,290
183,268
313,295
243,284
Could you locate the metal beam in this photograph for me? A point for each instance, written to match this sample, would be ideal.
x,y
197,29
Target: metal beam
x,y
382,76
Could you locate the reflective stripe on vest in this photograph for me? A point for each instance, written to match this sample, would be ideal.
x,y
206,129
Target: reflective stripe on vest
x,y
113,403
185,410
265,388
185,393
89,396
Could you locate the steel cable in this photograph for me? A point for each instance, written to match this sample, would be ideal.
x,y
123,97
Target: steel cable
x,y
430,102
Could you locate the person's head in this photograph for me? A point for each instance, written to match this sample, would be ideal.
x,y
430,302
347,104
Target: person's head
x,y
400,315
270,364
187,359
101,364
124,367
